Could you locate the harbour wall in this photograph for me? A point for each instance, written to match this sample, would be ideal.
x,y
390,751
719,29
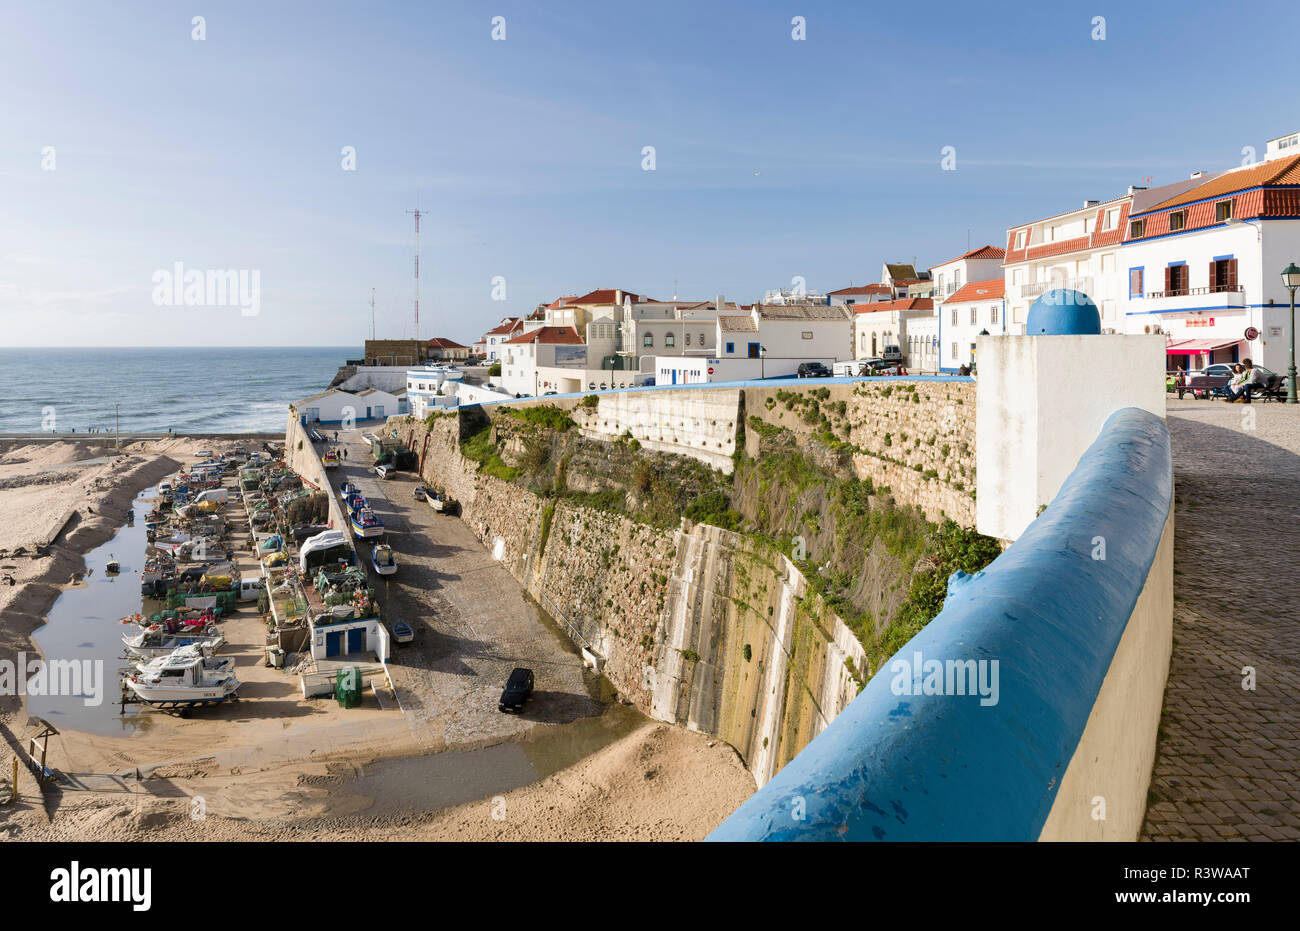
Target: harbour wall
x,y
915,435
693,624
1077,615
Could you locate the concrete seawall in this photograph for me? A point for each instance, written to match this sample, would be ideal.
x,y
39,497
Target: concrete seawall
x,y
1071,628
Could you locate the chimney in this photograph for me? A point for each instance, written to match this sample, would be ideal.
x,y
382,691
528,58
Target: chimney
x,y
1091,203
618,296
1134,188
719,301
1195,175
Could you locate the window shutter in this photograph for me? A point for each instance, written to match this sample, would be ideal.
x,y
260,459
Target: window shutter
x,y
1214,276
1169,271
1232,274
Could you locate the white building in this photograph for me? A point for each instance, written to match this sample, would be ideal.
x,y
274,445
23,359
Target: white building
x,y
978,307
334,407
770,340
887,323
430,387
489,347
976,265
1203,267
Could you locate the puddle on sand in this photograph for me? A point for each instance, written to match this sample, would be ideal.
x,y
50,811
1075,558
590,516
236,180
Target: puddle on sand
x,y
454,777
84,624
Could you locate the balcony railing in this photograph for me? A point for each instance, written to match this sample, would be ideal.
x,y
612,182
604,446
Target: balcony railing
x,y
1035,288
1191,292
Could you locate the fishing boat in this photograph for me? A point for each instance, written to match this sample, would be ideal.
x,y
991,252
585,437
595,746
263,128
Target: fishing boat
x,y
402,632
366,525
180,680
113,567
439,500
383,560
348,488
331,459
217,665
356,501
155,641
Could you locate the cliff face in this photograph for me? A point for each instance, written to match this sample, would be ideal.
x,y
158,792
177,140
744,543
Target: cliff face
x,y
691,584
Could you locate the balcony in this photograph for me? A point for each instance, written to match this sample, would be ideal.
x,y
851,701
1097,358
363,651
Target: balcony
x,y
1038,288
1219,296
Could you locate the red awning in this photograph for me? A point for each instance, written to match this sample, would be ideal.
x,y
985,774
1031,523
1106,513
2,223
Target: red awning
x,y
1197,347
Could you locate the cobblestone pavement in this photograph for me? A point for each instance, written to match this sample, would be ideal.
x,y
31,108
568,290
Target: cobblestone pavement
x,y
1228,757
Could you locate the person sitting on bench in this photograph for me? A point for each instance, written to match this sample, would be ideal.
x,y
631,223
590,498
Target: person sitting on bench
x,y
1255,380
1226,391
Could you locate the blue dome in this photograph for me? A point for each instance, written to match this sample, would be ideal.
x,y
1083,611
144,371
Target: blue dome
x,y
1062,312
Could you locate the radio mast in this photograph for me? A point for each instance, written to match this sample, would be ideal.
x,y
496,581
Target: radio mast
x,y
372,314
417,214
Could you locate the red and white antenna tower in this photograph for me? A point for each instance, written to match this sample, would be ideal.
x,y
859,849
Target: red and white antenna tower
x,y
417,214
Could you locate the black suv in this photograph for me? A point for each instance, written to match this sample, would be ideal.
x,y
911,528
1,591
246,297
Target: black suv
x,y
519,688
813,370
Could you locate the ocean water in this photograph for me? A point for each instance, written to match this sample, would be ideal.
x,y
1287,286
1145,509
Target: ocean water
x,y
189,390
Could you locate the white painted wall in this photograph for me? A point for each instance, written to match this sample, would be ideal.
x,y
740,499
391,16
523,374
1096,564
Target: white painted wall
x,y
1041,401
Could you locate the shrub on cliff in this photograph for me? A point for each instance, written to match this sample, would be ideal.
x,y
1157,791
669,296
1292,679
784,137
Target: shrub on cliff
x,y
545,415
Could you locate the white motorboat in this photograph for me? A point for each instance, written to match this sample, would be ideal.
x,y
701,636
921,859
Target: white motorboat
x,y
155,641
214,665
181,680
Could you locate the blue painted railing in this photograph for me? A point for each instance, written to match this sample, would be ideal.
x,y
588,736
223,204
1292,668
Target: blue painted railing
x,y
903,767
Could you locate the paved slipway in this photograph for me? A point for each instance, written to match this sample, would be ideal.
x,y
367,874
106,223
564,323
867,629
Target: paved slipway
x,y
1228,757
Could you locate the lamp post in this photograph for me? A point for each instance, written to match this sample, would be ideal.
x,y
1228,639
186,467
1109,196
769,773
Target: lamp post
x,y
1291,281
762,362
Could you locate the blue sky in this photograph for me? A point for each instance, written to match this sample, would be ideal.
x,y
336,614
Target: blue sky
x,y
774,157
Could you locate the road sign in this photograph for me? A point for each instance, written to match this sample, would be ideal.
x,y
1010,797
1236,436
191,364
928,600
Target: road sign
x,y
1252,333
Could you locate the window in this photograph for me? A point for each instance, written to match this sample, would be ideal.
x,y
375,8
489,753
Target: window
x,y
731,347
993,314
753,350
1177,220
1223,274
1089,224
701,339
954,316
1176,280
974,316
1135,282
1222,211
1020,239
1136,229
648,339
806,334
1108,262
688,339
670,339
1110,219
954,352
956,279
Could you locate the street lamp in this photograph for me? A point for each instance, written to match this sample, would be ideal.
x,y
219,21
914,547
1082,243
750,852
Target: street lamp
x,y
762,362
1291,281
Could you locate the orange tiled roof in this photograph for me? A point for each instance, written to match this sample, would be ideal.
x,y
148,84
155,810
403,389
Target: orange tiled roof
x,y
983,252
602,296
439,342
876,288
1276,172
992,289
549,334
902,303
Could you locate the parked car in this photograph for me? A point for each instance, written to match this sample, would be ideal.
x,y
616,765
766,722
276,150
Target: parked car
x,y
519,688
384,471
813,370
418,492
1225,368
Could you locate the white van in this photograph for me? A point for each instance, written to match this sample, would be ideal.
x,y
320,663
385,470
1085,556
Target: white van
x,y
219,495
892,354
251,587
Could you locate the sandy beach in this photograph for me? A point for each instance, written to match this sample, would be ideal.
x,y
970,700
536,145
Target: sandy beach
x,y
275,767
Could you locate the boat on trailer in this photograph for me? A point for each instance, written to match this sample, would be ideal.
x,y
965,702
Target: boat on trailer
x,y
180,680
